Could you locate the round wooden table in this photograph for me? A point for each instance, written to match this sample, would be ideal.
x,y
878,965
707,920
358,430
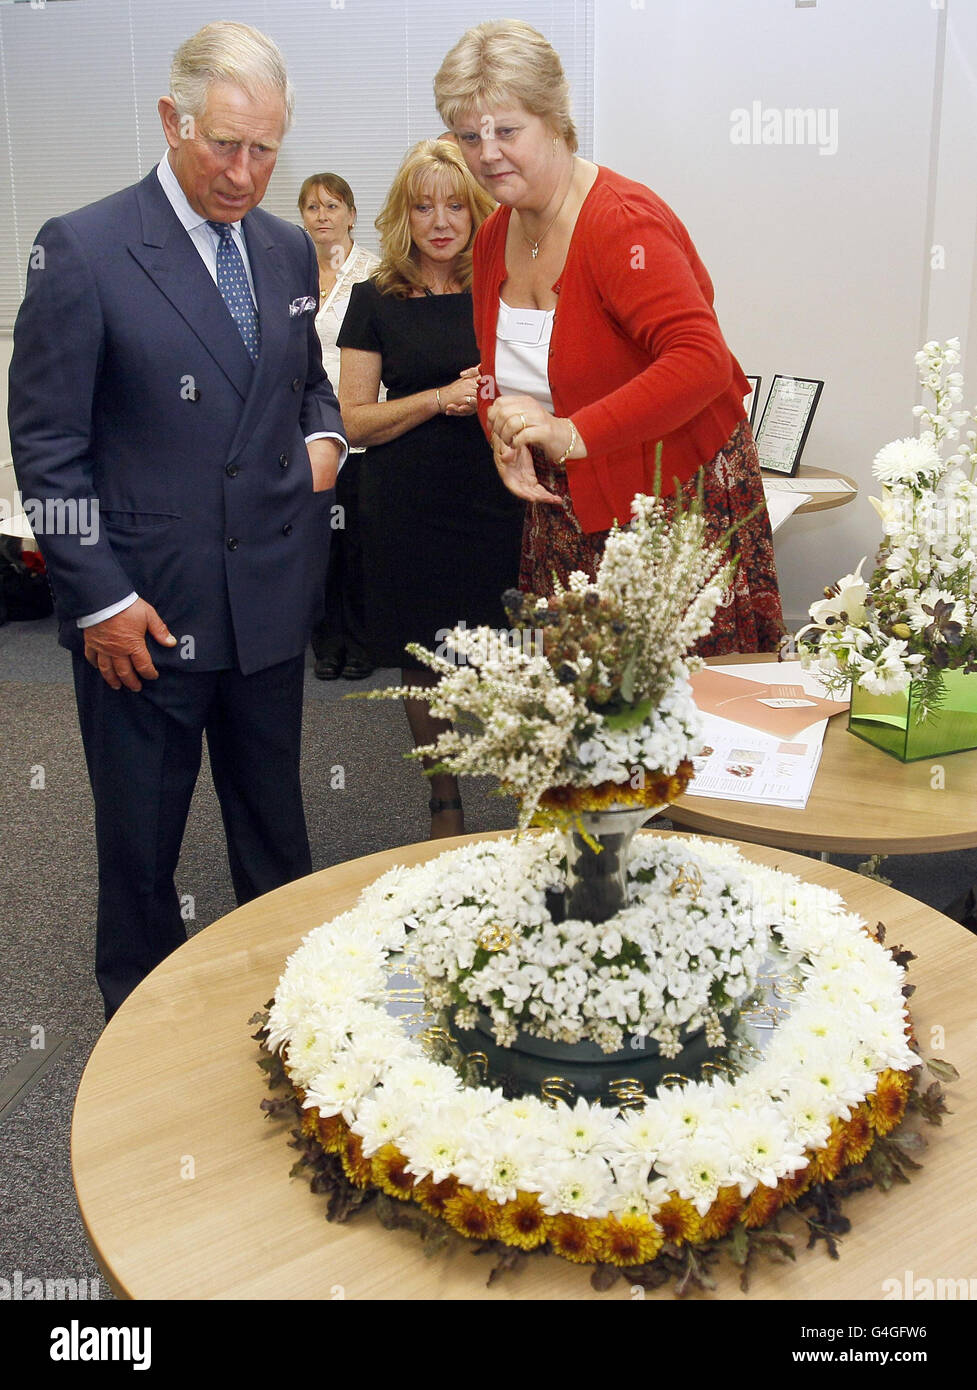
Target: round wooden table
x,y
863,801
184,1187
824,501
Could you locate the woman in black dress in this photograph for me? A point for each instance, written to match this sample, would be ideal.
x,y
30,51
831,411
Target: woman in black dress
x,y
441,535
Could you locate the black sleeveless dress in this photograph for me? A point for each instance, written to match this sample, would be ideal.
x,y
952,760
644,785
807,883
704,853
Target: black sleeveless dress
x,y
441,535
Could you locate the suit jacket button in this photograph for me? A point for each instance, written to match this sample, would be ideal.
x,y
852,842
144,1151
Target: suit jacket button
x,y
287,529
233,543
297,384
283,460
232,470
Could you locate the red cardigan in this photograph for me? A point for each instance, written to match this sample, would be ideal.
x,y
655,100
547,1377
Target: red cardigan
x,y
636,354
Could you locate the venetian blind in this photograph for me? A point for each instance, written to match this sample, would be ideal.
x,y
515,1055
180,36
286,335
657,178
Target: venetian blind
x,y
80,79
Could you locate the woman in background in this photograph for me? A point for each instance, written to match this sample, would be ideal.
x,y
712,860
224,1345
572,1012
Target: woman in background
x,y
596,329
441,533
329,213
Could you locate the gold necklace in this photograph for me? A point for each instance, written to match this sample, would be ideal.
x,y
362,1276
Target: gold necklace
x,y
534,245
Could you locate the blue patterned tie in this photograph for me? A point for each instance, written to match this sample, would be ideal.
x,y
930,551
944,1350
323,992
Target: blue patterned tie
x,y
232,281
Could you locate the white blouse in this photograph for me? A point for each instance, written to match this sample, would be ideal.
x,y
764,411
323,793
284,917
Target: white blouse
x,y
358,265
522,351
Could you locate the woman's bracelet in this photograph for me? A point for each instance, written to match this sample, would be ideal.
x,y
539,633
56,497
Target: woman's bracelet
x,y
437,392
571,446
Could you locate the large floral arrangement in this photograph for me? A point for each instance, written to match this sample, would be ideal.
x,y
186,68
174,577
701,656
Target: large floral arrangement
x,y
676,957
916,617
625,1187
586,701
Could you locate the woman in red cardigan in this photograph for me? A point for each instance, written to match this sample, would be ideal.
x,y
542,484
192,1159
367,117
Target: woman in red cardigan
x,y
597,336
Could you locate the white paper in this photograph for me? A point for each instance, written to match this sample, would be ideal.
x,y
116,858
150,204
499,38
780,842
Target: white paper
x,y
742,764
806,484
782,504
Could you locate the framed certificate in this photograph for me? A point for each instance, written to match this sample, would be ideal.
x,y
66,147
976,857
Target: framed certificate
x,y
750,400
786,423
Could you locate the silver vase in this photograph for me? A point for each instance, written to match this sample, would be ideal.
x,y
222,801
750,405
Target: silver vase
x,y
597,878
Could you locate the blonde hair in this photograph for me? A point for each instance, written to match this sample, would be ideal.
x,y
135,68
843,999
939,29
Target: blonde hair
x,y
430,162
501,61
228,52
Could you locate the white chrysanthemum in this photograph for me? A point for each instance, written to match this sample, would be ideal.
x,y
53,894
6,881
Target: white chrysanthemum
x,y
437,1141
914,462
577,1186
338,1087
762,1149
698,1169
382,1118
501,1164
808,1110
585,1129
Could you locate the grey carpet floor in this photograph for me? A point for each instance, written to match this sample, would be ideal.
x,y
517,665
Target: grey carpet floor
x,y
47,902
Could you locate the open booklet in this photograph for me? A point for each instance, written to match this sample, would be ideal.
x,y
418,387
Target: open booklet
x,y
764,732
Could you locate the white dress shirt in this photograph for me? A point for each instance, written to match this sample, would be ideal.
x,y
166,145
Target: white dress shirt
x,y
206,240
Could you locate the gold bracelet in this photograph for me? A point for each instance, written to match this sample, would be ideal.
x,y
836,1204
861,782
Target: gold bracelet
x,y
571,446
437,392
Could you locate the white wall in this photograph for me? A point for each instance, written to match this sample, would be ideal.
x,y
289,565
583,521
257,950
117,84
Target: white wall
x,y
821,262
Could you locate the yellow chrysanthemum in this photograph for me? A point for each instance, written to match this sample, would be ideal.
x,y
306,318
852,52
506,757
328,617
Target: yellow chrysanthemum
x,y
574,1238
859,1135
828,1161
309,1124
387,1168
628,1240
472,1214
434,1196
795,1186
725,1210
763,1205
679,1221
557,805
357,1168
522,1222
887,1104
331,1133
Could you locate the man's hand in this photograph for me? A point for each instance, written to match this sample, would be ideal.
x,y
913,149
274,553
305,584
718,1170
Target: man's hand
x,y
117,646
324,455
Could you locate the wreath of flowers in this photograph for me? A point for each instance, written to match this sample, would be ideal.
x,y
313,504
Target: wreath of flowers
x,y
615,1187
686,949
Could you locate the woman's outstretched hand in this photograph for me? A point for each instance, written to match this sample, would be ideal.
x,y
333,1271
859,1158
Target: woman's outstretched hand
x,y
517,422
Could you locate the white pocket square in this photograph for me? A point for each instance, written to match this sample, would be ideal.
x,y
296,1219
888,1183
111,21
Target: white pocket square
x,y
305,305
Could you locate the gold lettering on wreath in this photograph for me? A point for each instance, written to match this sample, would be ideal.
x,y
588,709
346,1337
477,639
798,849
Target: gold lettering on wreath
x,y
495,938
688,877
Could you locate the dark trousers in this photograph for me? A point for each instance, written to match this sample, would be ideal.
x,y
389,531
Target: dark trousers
x,y
143,751
342,627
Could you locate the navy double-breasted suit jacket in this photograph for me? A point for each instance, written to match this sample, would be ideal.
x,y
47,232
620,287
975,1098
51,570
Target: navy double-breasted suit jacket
x,y
130,385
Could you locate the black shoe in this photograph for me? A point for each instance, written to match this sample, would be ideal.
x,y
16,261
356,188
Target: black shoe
x,y
327,668
357,669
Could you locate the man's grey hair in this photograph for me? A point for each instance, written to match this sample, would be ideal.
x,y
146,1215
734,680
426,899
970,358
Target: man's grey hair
x,y
228,52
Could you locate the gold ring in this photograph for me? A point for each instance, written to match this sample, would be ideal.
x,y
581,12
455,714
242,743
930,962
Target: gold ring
x,y
523,419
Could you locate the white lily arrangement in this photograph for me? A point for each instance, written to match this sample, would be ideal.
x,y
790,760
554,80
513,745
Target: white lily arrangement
x,y
916,617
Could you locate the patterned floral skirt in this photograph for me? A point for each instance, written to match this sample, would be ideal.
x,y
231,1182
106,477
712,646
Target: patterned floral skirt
x,y
553,545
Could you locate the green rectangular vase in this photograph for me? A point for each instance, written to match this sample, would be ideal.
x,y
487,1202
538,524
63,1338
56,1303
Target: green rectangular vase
x,y
890,721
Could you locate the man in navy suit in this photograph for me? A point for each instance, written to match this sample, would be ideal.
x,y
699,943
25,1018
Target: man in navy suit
x,y
167,372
